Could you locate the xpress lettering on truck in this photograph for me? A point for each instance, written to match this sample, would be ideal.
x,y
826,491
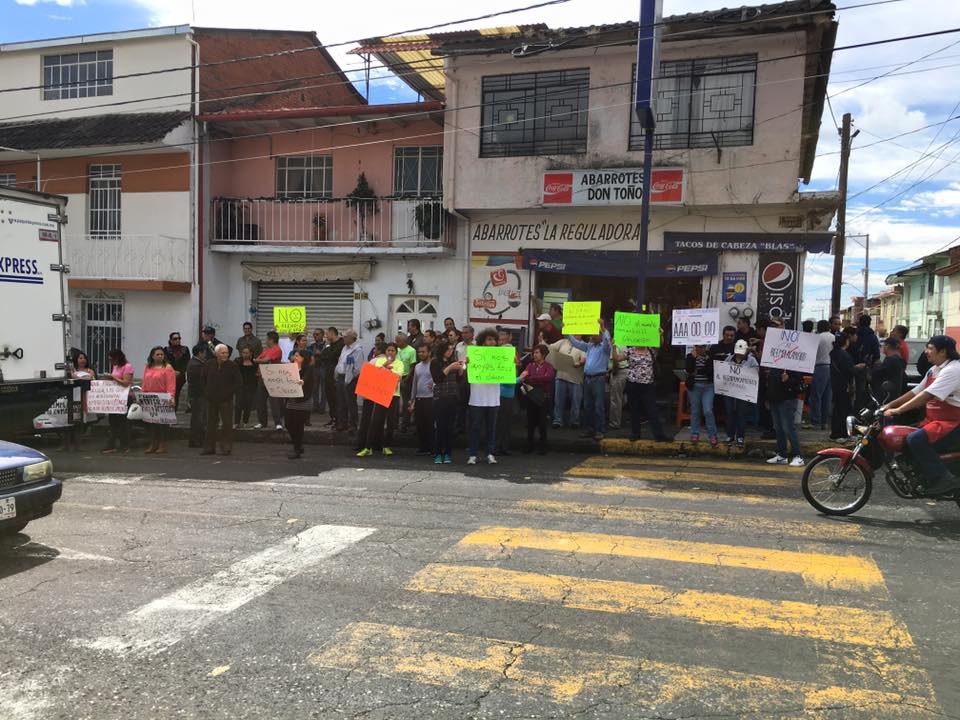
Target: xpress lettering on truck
x,y
20,270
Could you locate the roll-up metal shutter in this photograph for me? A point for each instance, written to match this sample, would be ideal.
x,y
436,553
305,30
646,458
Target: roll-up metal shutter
x,y
327,303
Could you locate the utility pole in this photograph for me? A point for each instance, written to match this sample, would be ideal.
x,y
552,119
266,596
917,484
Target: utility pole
x,y
839,243
866,266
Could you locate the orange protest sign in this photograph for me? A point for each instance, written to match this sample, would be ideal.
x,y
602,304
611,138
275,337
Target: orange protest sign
x,y
377,384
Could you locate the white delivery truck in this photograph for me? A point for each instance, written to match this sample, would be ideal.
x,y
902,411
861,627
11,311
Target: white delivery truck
x,y
34,324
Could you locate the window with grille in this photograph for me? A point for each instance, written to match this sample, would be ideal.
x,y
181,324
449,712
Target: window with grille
x,y
78,75
8,180
105,201
542,113
418,171
304,176
702,104
102,330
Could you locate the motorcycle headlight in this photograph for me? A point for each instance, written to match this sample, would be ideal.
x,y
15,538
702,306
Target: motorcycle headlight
x,y
37,472
851,424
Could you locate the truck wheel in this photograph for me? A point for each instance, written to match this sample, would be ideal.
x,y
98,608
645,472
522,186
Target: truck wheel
x,y
13,528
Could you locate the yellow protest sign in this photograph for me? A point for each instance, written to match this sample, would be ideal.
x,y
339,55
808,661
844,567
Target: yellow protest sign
x,y
581,318
290,319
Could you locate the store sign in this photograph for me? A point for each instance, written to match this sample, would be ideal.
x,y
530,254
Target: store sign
x,y
611,186
498,292
778,287
734,287
619,263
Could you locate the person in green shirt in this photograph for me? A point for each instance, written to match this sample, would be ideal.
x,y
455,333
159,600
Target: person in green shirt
x,y
376,439
407,354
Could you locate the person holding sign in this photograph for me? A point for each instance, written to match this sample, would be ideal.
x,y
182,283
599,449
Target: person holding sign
x,y
783,389
595,367
271,355
298,409
642,392
738,410
158,377
376,440
699,366
121,373
484,404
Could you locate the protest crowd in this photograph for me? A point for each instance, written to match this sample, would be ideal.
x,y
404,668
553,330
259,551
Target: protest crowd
x,y
580,372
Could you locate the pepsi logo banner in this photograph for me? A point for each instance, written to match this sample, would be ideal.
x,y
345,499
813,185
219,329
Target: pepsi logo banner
x,y
613,186
778,288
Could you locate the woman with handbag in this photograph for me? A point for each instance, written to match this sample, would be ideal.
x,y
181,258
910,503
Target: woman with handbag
x,y
537,387
159,377
447,372
121,373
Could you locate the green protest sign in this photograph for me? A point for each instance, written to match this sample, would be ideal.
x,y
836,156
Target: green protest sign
x,y
581,318
636,329
290,319
491,365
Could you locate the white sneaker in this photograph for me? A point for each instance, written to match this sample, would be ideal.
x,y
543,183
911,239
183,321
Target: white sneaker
x,y
797,462
491,460
258,426
777,460
279,427
472,460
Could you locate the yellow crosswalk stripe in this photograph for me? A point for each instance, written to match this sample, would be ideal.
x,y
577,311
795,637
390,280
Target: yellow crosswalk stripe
x,y
659,516
838,572
562,675
824,622
683,476
690,494
723,466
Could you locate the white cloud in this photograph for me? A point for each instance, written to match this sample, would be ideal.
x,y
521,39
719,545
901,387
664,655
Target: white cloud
x,y
61,3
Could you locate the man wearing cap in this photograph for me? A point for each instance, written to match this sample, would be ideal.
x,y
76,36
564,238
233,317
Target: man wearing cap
x,y
737,410
209,338
940,431
551,333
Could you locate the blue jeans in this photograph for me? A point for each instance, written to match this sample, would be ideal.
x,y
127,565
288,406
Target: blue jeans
x,y
701,399
567,392
784,414
483,419
595,401
819,396
926,455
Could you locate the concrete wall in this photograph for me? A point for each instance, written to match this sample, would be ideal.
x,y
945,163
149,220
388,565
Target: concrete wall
x,y
774,154
25,68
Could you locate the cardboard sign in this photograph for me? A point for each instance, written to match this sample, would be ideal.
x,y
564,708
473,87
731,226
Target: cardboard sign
x,y
107,398
290,319
790,350
495,365
157,407
636,329
282,381
736,381
699,326
377,384
581,318
56,414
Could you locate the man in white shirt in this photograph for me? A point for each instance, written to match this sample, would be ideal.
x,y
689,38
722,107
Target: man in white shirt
x,y
940,431
347,372
484,404
820,396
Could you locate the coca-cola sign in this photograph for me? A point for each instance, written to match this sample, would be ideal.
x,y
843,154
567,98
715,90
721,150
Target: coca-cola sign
x,y
611,186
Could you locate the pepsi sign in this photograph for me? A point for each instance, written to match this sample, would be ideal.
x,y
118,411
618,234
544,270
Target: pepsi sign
x,y
778,287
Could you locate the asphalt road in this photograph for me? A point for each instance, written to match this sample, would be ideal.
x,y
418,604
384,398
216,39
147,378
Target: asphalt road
x,y
560,586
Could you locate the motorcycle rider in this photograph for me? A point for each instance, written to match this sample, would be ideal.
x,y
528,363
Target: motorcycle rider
x,y
940,431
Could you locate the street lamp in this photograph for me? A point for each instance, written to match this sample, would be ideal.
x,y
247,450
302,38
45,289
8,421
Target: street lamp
x,y
27,152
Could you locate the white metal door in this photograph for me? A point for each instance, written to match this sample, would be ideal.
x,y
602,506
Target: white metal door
x,y
328,303
404,308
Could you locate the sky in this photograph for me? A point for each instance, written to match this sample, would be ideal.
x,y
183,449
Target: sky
x,y
904,191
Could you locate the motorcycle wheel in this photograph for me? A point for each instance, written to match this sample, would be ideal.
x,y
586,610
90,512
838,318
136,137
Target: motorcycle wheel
x,y
821,490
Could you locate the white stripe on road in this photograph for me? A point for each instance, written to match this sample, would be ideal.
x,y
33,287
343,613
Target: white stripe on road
x,y
164,622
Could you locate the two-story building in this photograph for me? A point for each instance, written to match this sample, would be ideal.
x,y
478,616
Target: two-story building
x,y
543,159
317,198
90,117
926,286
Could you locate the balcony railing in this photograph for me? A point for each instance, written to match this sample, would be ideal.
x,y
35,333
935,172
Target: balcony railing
x,y
332,223
129,257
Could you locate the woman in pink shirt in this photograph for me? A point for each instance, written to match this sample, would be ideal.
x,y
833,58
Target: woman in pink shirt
x,y
121,372
159,377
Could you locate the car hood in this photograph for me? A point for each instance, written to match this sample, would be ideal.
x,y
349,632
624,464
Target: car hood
x,y
14,456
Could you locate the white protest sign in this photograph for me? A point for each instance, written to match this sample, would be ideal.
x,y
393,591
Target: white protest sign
x,y
790,350
698,326
157,408
736,381
56,415
282,381
107,397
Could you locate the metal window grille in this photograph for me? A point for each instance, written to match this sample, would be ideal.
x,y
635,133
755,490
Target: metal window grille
x,y
704,103
105,201
418,171
102,330
542,113
8,180
78,75
304,177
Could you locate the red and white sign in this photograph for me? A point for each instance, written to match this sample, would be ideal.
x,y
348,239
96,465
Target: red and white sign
x,y
612,186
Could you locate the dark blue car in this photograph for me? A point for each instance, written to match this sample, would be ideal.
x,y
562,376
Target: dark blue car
x,y
28,489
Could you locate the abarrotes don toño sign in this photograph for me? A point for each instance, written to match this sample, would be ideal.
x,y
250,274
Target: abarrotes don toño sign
x,y
611,186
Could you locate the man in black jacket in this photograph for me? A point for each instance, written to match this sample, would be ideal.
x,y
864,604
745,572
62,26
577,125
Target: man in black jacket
x,y
221,379
841,387
327,359
892,369
198,404
178,357
209,338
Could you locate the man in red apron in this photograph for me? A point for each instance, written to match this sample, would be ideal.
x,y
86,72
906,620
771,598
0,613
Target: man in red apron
x,y
940,430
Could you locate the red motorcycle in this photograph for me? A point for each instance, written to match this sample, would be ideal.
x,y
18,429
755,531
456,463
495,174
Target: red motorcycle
x,y
839,480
